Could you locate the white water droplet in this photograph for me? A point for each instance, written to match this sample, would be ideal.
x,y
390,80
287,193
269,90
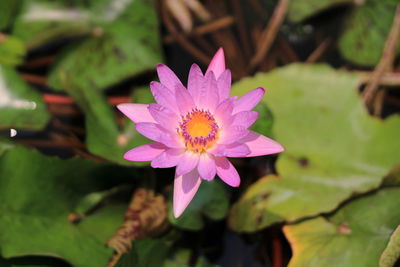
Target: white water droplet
x,y
13,132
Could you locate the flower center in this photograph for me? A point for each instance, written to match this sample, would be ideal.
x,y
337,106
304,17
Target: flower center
x,y
198,129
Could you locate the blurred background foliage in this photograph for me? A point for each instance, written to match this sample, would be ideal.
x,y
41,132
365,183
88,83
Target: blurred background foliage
x,y
332,74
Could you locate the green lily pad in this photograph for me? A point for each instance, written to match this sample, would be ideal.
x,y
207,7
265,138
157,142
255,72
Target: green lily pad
x,y
334,149
5,145
103,136
103,223
391,254
211,201
145,252
20,105
37,193
123,47
354,236
8,11
43,21
182,258
300,10
366,31
12,50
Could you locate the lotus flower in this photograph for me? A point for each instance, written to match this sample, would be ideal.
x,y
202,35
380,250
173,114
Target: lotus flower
x,y
197,128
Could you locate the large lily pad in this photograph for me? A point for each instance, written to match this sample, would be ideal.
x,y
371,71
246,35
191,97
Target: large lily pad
x,y
122,46
303,9
354,236
103,136
210,201
12,50
20,105
8,11
42,21
366,30
37,193
334,149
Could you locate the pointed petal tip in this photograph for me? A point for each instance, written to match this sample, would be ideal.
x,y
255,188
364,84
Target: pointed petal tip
x,y
177,211
122,107
185,187
217,64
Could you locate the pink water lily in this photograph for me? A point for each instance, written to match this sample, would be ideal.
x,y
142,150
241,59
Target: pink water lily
x,y
197,128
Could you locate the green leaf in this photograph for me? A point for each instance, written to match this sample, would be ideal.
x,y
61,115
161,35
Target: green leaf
x,y
20,105
354,236
391,254
12,50
334,149
5,145
8,12
103,223
37,193
300,10
145,252
366,31
103,136
211,200
43,21
124,47
182,258
265,120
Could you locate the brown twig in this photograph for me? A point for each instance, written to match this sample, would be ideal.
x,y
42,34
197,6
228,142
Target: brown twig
x,y
39,62
241,27
50,143
269,33
319,51
226,38
205,28
387,79
378,105
34,79
286,52
181,38
386,61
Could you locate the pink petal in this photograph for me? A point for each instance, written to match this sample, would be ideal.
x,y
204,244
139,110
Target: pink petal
x,y
185,187
245,118
172,140
167,77
184,99
206,167
150,130
136,112
224,85
145,152
260,145
227,172
168,158
208,98
223,113
157,133
232,134
165,117
195,81
187,163
249,100
217,64
164,96
235,150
